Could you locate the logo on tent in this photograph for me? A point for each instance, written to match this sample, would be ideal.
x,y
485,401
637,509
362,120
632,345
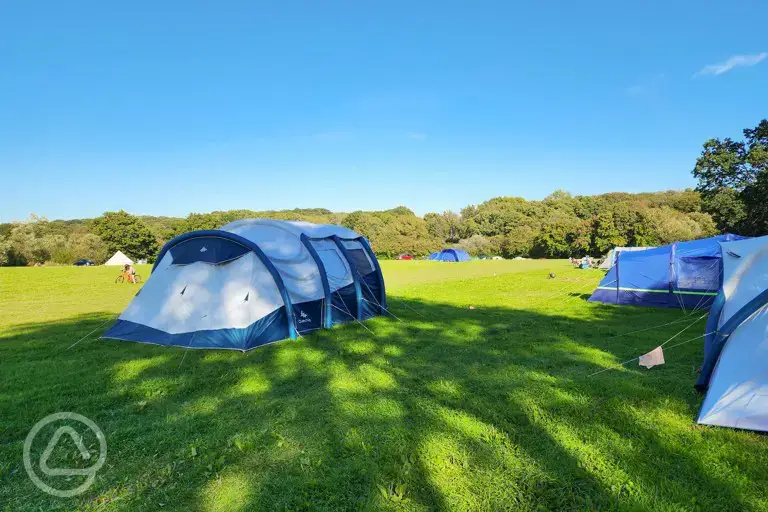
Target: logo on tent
x,y
204,249
304,317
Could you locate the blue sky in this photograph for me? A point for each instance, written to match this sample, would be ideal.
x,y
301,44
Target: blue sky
x,y
363,105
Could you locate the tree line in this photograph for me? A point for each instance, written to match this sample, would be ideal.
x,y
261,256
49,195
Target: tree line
x,y
732,195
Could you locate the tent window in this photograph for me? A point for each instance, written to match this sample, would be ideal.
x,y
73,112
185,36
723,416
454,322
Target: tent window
x,y
208,250
335,268
698,274
361,261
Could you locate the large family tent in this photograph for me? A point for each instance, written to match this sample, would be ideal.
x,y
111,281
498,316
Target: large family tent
x,y
253,282
735,370
119,259
610,258
684,275
453,255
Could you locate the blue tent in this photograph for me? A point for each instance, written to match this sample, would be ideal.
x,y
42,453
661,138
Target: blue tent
x,y
680,275
450,255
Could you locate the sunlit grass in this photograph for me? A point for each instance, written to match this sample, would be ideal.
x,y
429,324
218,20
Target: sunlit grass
x,y
478,400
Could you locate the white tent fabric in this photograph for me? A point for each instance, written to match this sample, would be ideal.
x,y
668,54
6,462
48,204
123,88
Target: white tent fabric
x,y
738,389
200,296
119,259
613,255
281,242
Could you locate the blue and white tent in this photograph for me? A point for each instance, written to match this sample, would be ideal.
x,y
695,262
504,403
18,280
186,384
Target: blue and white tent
x,y
680,275
453,255
253,282
735,370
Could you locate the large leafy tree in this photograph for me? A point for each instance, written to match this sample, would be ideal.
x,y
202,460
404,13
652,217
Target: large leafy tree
x,y
127,233
447,226
25,245
726,207
606,235
562,236
733,181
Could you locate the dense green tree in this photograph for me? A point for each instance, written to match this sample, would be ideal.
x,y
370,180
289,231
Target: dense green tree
x,y
606,234
5,249
643,232
733,180
479,245
726,207
57,249
127,233
394,232
403,234
671,226
400,210
368,224
519,241
562,236
447,226
89,246
25,246
755,197
203,221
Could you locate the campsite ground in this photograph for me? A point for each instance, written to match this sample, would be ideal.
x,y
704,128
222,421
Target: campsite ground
x,y
482,408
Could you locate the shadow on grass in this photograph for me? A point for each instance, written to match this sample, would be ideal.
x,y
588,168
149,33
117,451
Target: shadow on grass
x,y
452,409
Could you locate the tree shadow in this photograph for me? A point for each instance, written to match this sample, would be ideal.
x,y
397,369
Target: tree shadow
x,y
450,409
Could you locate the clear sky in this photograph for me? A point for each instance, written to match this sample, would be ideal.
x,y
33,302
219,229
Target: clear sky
x,y
363,105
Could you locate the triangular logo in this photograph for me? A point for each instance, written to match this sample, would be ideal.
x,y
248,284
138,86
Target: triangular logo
x,y
78,440
204,249
246,297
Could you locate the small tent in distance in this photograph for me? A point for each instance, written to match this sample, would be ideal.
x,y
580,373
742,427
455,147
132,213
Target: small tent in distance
x,y
735,370
118,259
451,255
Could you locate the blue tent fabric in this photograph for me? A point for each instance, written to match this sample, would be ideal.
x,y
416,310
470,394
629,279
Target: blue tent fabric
x,y
271,328
452,255
681,275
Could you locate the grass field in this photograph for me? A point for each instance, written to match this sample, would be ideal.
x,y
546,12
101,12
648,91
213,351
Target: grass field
x,y
479,399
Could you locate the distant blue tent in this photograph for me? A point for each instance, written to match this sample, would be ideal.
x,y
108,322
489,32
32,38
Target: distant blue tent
x,y
684,275
453,255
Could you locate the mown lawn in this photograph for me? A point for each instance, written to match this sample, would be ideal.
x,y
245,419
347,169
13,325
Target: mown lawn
x,y
479,399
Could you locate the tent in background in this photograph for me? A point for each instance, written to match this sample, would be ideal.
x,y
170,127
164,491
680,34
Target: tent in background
x,y
681,275
735,370
454,255
610,258
119,259
252,282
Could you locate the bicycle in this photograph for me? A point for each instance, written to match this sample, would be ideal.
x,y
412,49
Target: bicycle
x,y
124,276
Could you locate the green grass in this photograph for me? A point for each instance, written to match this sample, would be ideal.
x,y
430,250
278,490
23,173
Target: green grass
x,y
478,400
